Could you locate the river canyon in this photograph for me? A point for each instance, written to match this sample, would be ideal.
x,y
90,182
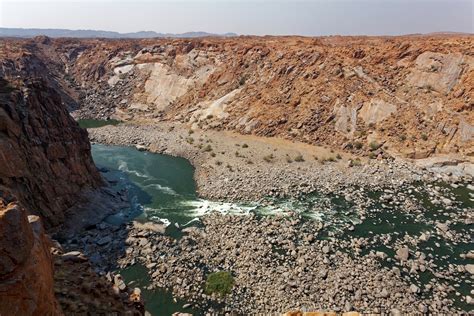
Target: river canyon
x,y
323,174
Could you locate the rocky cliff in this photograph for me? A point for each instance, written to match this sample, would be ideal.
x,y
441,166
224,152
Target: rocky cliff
x,y
44,154
26,267
411,96
45,169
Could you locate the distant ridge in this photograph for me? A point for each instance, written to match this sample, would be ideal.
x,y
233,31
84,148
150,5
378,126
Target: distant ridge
x,y
21,32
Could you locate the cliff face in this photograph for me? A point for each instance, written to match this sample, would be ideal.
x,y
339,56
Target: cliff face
x,y
412,94
26,267
46,169
45,156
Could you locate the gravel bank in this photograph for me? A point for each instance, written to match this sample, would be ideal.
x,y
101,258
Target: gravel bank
x,y
279,264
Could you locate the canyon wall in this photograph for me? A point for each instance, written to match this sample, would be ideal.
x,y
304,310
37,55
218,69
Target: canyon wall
x,y
45,156
45,166
412,94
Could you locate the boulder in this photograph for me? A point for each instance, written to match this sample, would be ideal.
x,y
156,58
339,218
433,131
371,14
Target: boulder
x,y
403,253
469,268
26,267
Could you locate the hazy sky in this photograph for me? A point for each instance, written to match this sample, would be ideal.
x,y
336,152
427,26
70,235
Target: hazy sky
x,y
304,17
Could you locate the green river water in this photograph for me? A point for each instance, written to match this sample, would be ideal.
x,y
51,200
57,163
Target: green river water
x,y
162,188
91,123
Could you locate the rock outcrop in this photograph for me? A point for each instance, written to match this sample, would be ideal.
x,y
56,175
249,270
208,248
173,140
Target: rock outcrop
x,y
46,173
26,267
44,154
413,93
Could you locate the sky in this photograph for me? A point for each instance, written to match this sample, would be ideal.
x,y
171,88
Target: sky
x,y
256,17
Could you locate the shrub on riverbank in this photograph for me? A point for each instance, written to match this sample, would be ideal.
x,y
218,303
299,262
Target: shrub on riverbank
x,y
219,283
299,158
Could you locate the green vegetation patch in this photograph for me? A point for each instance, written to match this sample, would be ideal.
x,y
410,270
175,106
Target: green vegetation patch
x,y
219,283
374,145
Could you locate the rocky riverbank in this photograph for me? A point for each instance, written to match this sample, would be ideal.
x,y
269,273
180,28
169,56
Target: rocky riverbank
x,y
338,262
278,263
241,167
284,263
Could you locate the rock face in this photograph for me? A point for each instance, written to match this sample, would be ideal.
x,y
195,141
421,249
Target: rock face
x,y
412,93
46,169
44,154
26,267
376,111
437,71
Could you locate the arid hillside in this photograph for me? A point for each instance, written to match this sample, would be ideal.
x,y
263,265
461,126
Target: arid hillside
x,y
412,95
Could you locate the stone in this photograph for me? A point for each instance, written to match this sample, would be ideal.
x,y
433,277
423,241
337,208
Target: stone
x,y
422,308
104,240
381,255
414,289
403,253
469,268
395,312
118,281
326,249
347,306
74,256
424,236
442,226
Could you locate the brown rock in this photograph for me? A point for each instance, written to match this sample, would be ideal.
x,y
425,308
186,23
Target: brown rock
x,y
26,286
45,156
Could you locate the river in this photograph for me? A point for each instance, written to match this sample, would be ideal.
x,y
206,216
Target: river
x,y
161,188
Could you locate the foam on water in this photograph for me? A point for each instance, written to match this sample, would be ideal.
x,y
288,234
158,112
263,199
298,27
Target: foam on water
x,y
123,166
161,188
201,207
191,221
152,214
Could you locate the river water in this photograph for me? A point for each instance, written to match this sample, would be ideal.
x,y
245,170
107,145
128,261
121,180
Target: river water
x,y
161,188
